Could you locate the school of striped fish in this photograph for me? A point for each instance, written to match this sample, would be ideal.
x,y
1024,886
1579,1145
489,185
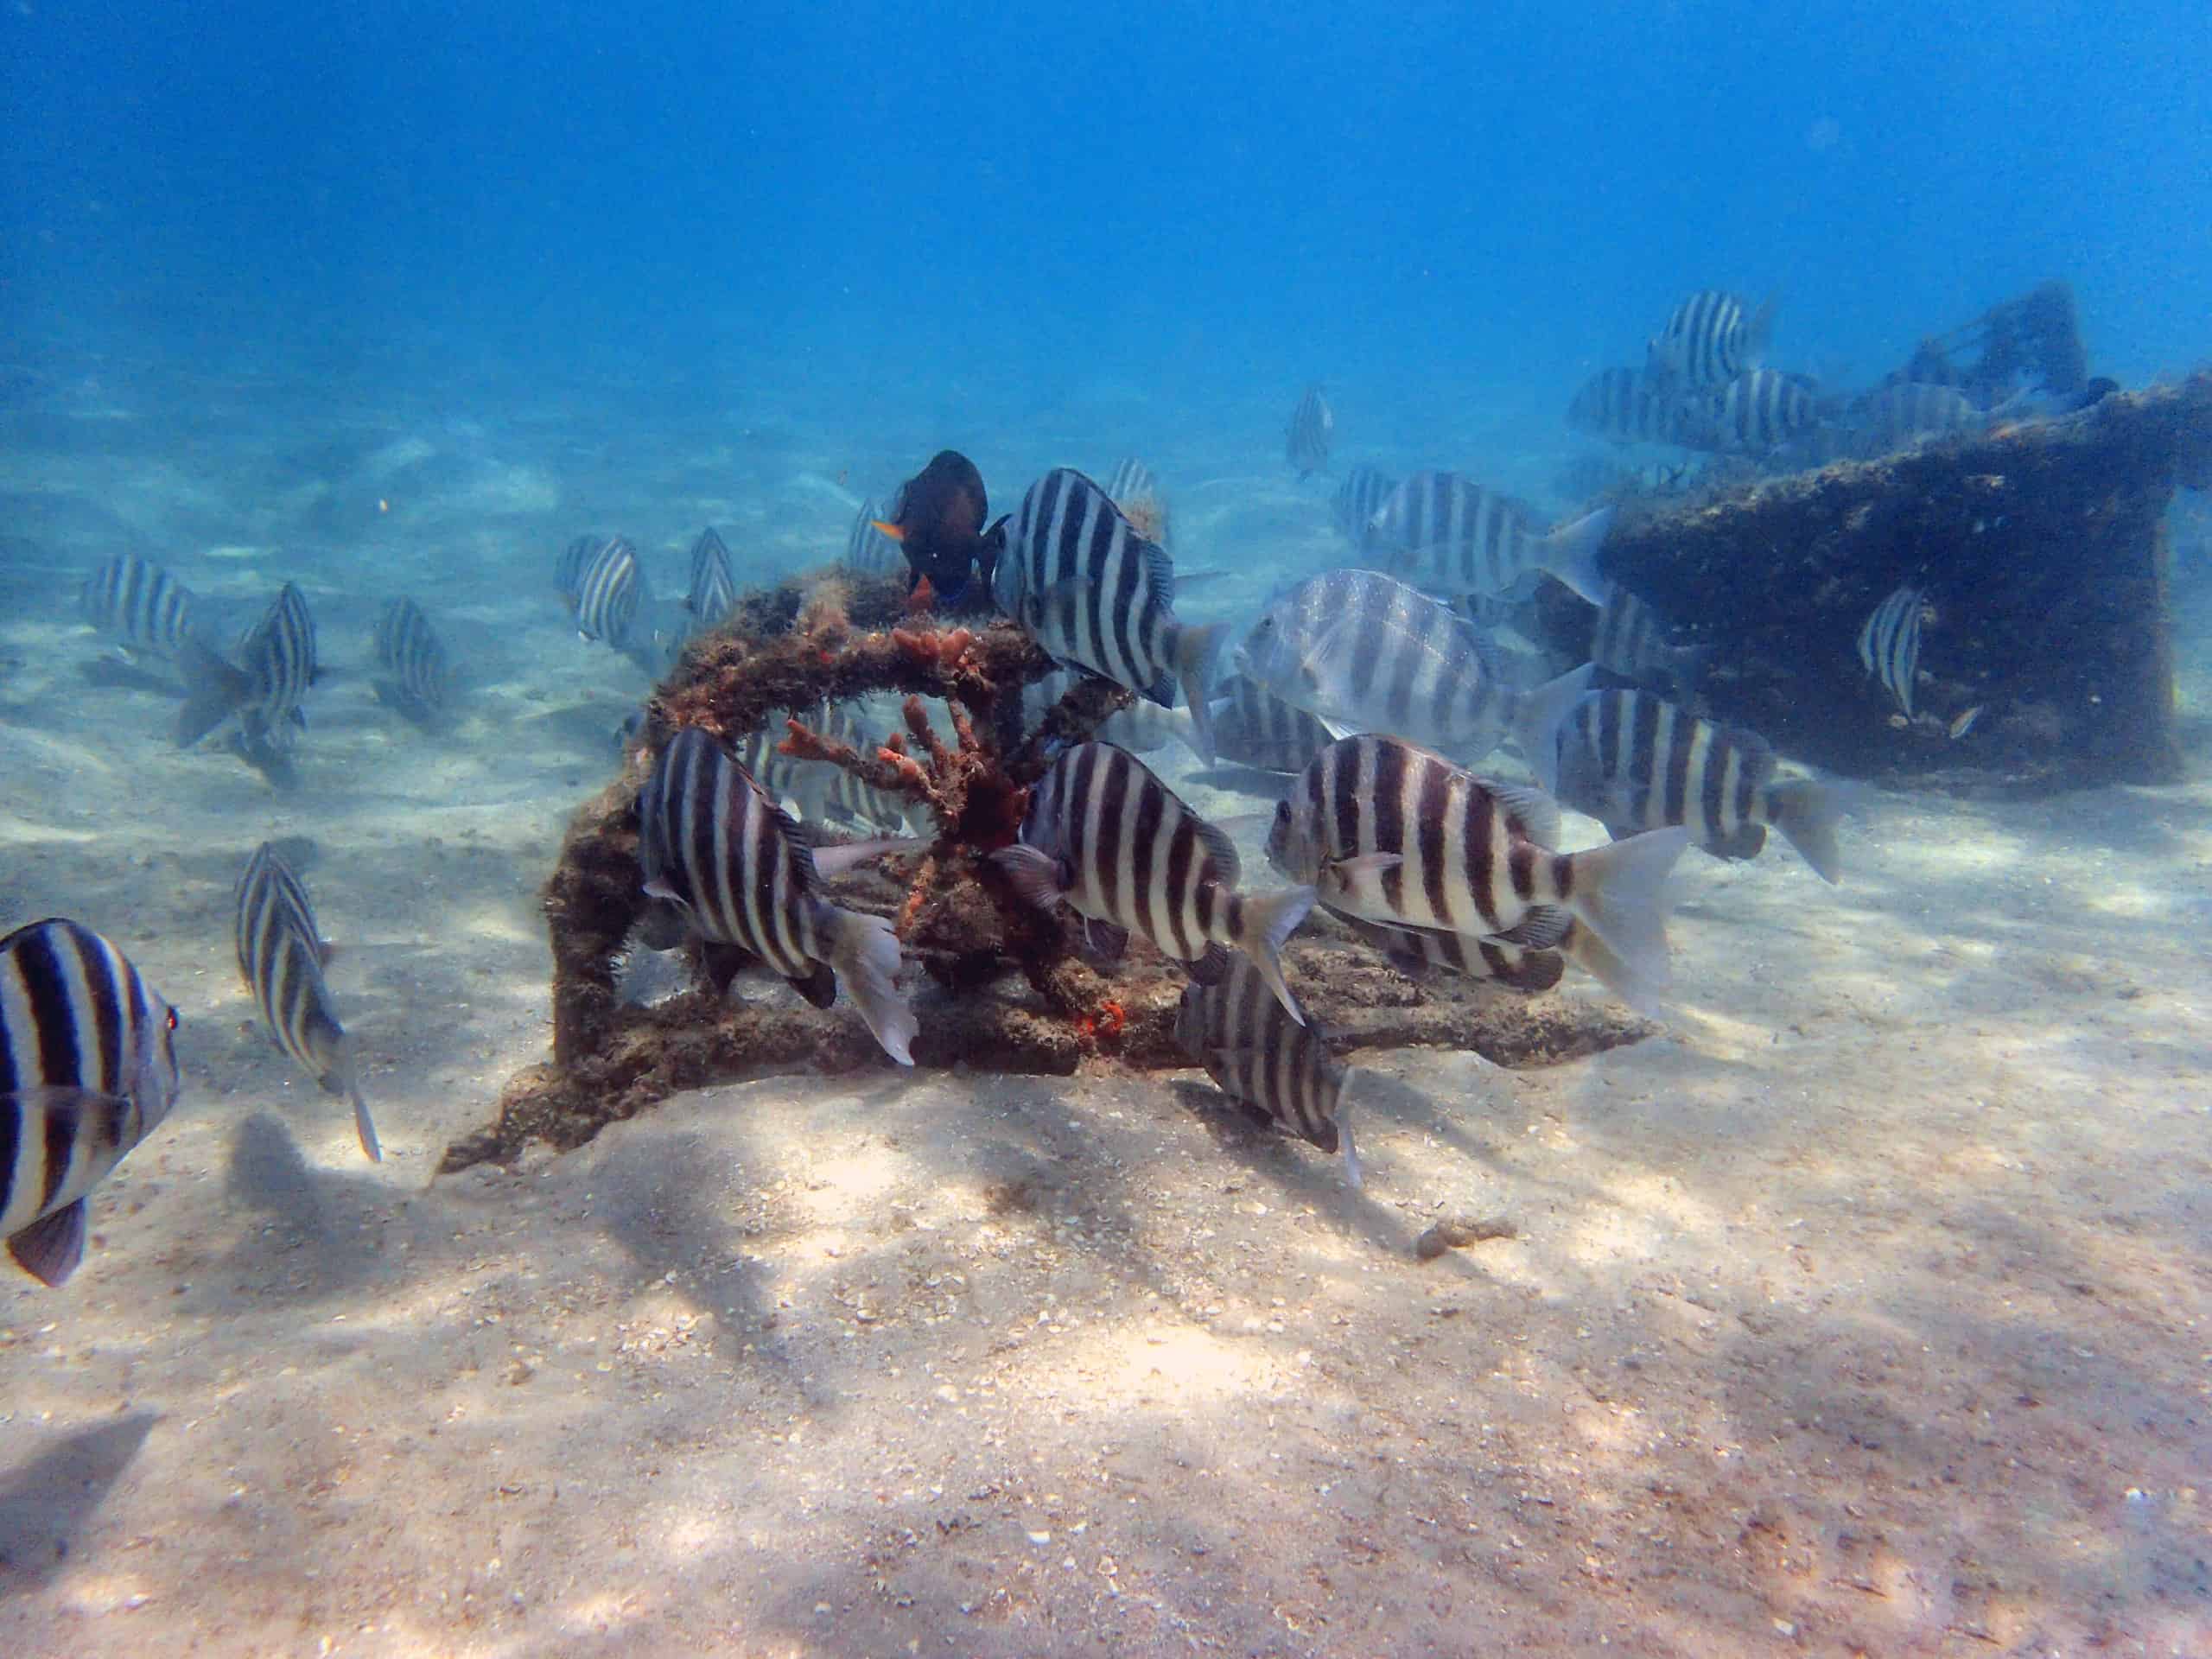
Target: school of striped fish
x,y
1418,748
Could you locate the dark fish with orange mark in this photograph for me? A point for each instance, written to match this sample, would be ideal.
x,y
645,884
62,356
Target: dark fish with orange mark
x,y
937,519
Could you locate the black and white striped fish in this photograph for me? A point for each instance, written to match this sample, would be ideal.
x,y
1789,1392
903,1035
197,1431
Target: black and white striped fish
x,y
1363,651
1140,729
87,1071
868,551
1636,762
1888,644
281,955
1453,537
1252,727
1105,837
1095,595
263,691
1759,411
607,591
1892,417
1280,1071
1711,338
817,790
713,592
1358,498
417,676
138,604
1627,406
1394,834
1313,425
1636,641
712,842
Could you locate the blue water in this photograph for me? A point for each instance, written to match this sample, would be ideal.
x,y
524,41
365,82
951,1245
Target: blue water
x,y
879,202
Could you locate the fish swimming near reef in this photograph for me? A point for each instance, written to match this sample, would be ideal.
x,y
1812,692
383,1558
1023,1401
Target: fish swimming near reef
x,y
868,551
87,1071
608,589
712,842
1759,411
1634,761
281,954
139,605
937,519
416,676
1252,727
1313,426
1895,416
1710,338
712,594
263,691
1415,950
1136,491
1095,595
1104,836
1888,644
1356,501
1363,651
1452,537
1278,1070
1628,406
1392,833
1636,641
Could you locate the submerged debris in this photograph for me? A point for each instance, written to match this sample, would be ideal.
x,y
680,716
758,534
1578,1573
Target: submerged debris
x,y
1460,1232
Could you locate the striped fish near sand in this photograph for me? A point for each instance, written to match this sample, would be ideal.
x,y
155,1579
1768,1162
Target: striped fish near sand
x,y
712,842
281,955
712,594
87,1071
1888,644
265,690
609,588
1313,426
1710,338
1452,536
417,676
1635,762
1104,836
1278,1070
1095,595
1392,833
1356,501
138,604
1627,406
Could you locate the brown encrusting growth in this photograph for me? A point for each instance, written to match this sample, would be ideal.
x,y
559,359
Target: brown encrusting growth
x,y
2040,549
998,985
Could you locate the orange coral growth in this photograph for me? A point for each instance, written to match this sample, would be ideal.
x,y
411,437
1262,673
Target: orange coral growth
x,y
1112,1016
910,773
938,649
923,597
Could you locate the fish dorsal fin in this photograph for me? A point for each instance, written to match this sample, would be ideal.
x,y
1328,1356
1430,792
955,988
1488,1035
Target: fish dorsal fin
x,y
1228,865
1533,814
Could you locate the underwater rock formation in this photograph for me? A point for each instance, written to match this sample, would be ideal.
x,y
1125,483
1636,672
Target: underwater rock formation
x,y
2046,661
998,985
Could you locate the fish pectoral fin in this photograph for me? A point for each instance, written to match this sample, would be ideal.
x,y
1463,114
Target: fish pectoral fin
x,y
658,888
51,1247
819,987
1108,941
1036,876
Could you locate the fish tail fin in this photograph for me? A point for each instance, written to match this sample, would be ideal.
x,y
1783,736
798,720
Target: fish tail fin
x,y
1572,554
1620,893
1196,649
213,690
1264,922
1806,811
1539,716
865,952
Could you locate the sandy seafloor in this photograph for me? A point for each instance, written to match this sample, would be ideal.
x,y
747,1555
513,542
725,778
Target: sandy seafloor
x,y
1869,1310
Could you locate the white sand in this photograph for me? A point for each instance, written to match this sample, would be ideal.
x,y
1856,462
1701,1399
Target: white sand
x,y
1869,1311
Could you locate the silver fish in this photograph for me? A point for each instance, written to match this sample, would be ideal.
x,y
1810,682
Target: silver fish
x,y
1759,411
1363,651
1258,1056
713,592
1095,595
1415,950
1636,641
1252,727
87,1071
868,551
1888,644
712,842
1634,761
1710,338
1628,406
265,690
1358,498
607,592
1312,424
418,676
1895,416
1102,835
139,604
281,954
1453,537
1394,834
